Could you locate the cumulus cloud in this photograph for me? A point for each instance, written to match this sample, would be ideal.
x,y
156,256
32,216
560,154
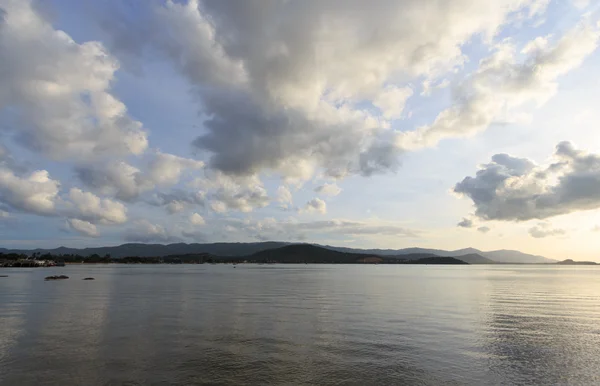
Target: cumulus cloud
x,y
144,231
36,193
89,207
545,230
119,179
56,92
466,223
39,194
127,182
84,227
166,169
484,229
196,219
517,189
316,205
224,193
289,68
329,189
391,100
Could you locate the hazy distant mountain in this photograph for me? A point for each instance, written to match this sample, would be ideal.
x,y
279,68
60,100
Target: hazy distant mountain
x,y
245,249
500,256
305,253
508,256
156,250
474,258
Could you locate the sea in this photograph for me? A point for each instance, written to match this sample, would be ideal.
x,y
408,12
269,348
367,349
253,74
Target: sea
x,y
300,325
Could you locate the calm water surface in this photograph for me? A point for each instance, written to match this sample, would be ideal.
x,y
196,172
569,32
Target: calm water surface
x,y
303,324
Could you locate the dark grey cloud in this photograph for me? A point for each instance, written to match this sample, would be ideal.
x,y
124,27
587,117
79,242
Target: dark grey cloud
x,y
516,189
465,223
315,205
121,180
177,200
484,229
277,80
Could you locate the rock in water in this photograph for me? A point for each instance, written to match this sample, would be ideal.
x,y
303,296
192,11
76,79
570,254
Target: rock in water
x,y
55,277
89,278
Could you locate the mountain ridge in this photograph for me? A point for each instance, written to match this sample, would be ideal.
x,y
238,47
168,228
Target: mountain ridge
x,y
245,249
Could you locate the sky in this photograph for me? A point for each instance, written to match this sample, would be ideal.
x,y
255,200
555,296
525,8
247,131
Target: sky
x,y
385,124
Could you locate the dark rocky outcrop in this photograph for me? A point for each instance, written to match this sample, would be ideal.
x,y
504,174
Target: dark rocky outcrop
x,y
89,278
56,277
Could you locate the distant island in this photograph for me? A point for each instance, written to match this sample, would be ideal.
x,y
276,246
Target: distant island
x,y
470,255
259,253
571,262
289,254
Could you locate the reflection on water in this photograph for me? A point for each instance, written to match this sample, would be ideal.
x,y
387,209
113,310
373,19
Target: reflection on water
x,y
543,326
308,324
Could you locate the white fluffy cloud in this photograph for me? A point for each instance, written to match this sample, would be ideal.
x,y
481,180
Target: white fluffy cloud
x,y
36,193
89,207
225,193
196,219
56,92
504,83
84,227
328,189
127,182
391,101
166,169
516,189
